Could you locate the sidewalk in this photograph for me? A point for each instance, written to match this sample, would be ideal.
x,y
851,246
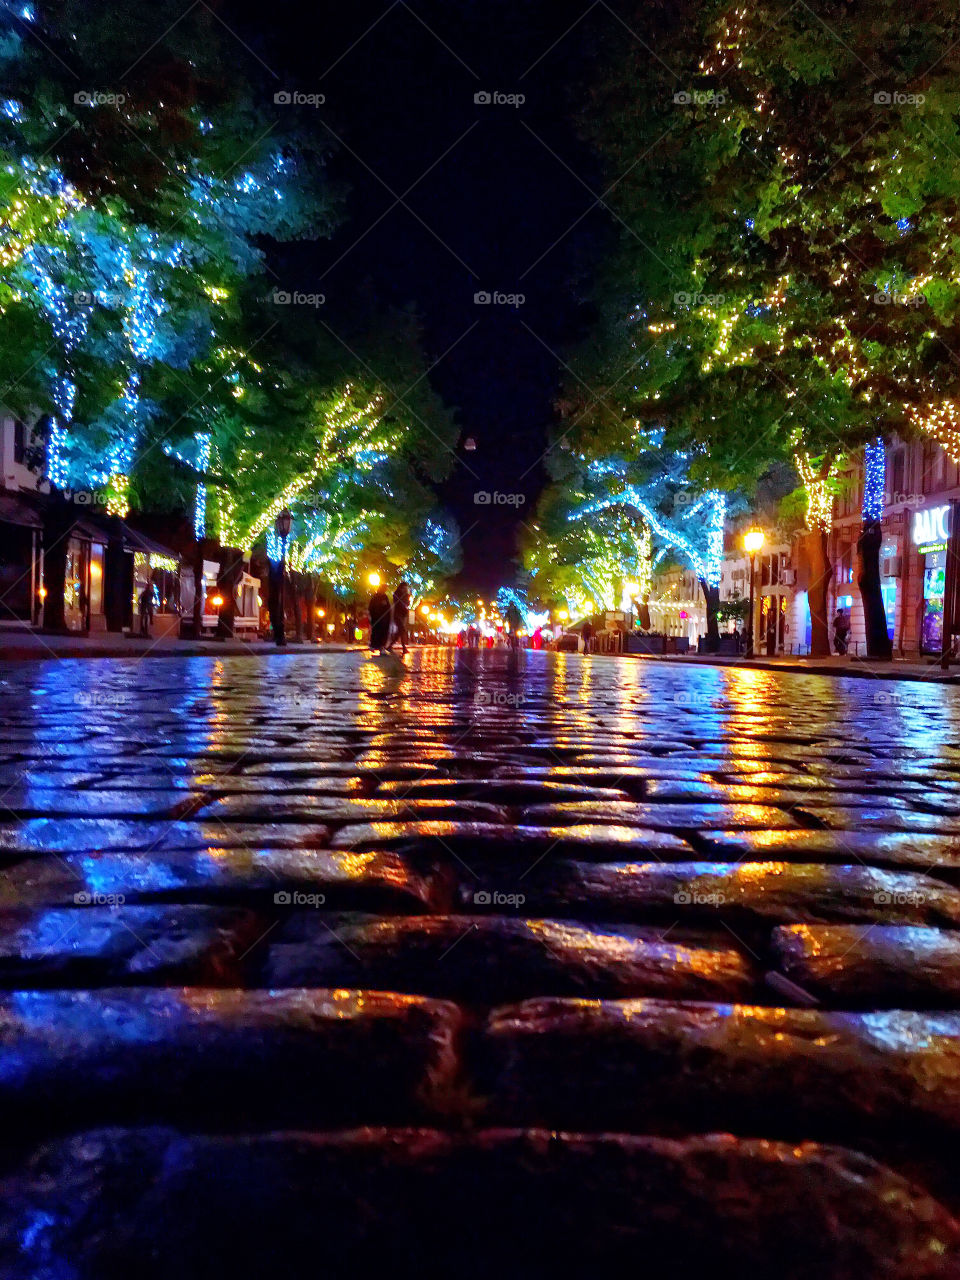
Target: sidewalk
x,y
18,645
848,665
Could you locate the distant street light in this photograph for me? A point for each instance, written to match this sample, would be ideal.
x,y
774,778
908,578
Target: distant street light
x,y
753,541
374,579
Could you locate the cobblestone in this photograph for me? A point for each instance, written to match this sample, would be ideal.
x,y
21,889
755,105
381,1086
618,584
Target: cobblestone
x,y
638,905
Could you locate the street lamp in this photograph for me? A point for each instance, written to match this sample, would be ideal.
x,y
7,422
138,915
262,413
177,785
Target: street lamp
x,y
282,526
374,579
753,542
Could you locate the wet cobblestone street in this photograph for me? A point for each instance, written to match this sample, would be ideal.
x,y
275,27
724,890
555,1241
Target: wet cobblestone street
x,y
539,962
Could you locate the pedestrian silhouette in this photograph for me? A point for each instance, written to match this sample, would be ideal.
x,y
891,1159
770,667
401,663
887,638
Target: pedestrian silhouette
x,y
379,619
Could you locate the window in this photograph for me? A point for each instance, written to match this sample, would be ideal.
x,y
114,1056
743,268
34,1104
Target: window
x,y
897,477
19,441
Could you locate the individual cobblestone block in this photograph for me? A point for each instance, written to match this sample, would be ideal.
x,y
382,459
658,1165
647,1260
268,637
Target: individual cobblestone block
x,y
867,967
284,807
77,835
153,1203
741,894
882,817
667,817
226,1059
346,881
484,960
468,841
879,1081
99,945
882,848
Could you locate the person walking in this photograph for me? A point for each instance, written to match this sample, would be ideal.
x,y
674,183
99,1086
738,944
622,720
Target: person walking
x,y
379,620
514,622
841,630
146,609
401,618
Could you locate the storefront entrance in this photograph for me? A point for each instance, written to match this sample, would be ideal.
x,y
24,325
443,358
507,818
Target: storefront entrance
x,y
773,618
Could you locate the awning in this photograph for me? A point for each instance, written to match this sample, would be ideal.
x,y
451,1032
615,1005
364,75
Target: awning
x,y
140,542
15,509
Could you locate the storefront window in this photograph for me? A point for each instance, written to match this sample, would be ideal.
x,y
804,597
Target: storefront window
x,y
931,626
96,579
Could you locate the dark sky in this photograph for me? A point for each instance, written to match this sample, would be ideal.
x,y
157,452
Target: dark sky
x,y
495,213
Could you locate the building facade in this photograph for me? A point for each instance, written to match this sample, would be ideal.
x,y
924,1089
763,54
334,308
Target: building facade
x,y
921,482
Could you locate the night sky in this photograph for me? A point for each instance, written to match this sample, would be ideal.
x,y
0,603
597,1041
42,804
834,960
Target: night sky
x,y
496,212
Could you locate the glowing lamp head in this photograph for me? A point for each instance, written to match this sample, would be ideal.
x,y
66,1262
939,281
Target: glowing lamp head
x,y
217,601
374,579
425,610
753,541
563,615
321,613
588,606
632,588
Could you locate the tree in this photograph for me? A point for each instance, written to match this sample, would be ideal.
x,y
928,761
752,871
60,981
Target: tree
x,y
609,520
787,212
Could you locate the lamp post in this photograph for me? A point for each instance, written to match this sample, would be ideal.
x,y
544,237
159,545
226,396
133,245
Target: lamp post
x,y
282,526
753,542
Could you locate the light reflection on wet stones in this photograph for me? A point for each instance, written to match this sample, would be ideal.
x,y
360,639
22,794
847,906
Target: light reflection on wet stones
x,y
623,829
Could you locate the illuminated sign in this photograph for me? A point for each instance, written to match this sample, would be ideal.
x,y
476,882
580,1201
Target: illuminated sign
x,y
931,529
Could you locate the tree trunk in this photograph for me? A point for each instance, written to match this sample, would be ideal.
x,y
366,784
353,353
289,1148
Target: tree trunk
x,y
58,521
711,596
819,562
274,604
868,580
300,599
228,577
198,599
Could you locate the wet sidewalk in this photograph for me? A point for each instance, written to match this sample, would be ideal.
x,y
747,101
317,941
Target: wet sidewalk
x,y
18,645
836,665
